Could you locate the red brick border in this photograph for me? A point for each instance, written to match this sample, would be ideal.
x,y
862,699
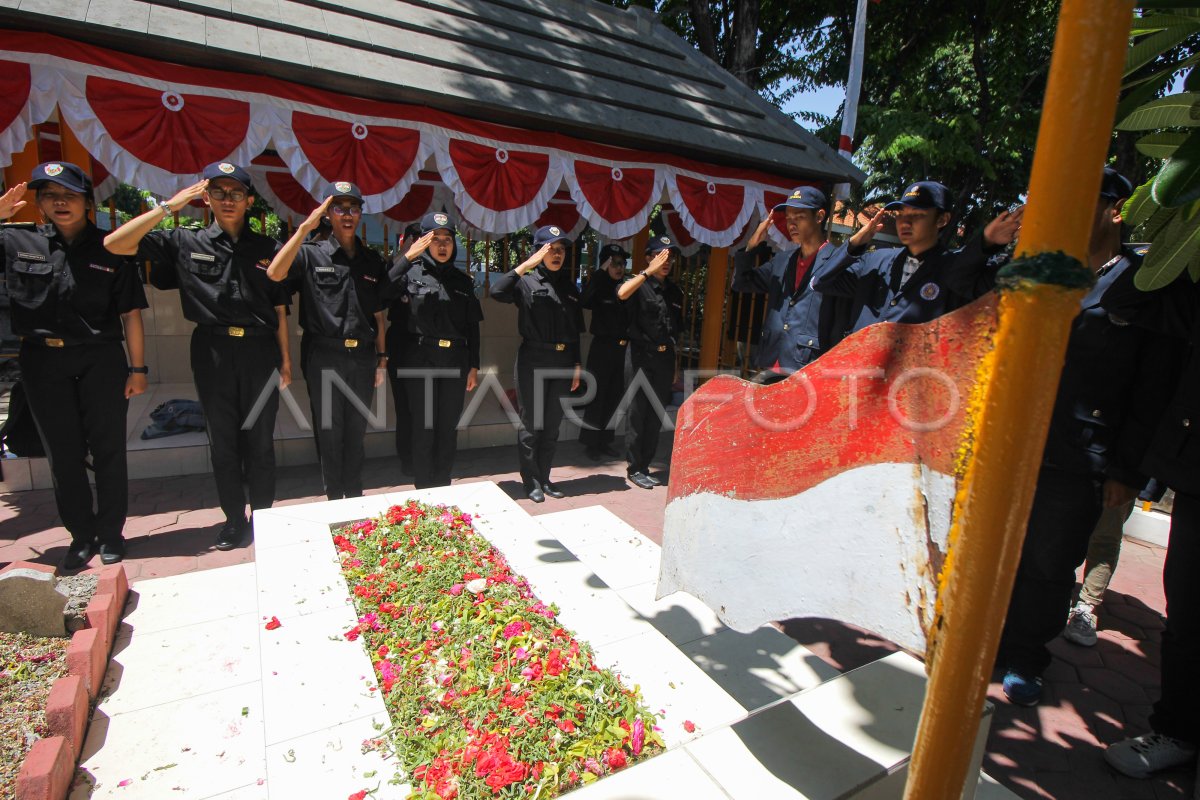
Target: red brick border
x,y
49,767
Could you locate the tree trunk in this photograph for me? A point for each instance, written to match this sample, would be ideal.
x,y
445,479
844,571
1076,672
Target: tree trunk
x,y
743,61
698,10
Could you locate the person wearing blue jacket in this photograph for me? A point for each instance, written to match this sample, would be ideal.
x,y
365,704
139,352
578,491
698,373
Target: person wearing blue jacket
x,y
800,323
924,279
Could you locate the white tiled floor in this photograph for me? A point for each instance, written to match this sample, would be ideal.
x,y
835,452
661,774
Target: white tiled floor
x,y
202,701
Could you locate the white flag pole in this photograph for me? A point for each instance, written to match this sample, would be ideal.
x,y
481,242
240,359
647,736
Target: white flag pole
x,y
853,89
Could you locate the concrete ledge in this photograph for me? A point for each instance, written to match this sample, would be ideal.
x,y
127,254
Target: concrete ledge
x,y
49,570
87,657
67,712
47,771
1151,527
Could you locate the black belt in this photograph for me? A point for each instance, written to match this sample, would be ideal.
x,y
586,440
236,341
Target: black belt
x,y
654,348
356,345
433,341
236,332
557,347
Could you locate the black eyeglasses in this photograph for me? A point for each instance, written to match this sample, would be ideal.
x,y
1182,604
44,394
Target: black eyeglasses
x,y
236,195
346,211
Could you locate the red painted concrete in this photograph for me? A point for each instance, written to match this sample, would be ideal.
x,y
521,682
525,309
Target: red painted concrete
x,y
87,658
47,771
67,712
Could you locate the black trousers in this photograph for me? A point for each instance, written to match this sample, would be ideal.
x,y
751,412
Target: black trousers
x,y
436,387
606,364
1175,713
340,373
543,380
397,341
77,395
1066,507
645,421
238,390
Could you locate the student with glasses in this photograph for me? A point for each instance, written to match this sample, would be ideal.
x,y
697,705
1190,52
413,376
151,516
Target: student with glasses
x,y
240,344
72,304
923,279
342,284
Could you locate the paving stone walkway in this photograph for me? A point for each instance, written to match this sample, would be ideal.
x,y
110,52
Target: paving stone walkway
x,y
1094,695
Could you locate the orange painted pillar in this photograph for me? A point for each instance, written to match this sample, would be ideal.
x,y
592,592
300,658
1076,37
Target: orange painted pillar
x,y
19,171
1020,378
637,259
714,307
74,151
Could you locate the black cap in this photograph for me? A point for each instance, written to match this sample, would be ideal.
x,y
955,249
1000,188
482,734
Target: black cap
x,y
436,220
64,173
804,197
1115,186
922,194
549,234
412,230
224,169
343,189
612,251
662,242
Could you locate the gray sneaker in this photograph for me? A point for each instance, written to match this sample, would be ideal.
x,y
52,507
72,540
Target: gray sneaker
x,y
1150,752
1081,626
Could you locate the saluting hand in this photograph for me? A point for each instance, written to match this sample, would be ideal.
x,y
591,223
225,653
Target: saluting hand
x,y
760,233
11,202
533,260
419,246
657,263
472,379
314,219
186,196
1004,228
867,232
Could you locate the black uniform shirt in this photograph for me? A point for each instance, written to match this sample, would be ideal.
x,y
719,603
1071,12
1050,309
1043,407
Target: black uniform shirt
x,y
441,302
220,281
339,295
76,292
547,303
656,312
610,317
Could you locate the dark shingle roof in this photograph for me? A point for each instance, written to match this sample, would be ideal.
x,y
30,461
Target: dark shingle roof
x,y
577,67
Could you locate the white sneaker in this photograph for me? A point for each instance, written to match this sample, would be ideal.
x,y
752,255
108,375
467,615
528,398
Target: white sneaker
x,y
1151,752
1081,626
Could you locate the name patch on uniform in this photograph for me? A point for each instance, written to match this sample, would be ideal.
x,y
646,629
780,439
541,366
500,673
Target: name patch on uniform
x,y
102,268
31,256
370,278
930,291
324,269
263,263
203,257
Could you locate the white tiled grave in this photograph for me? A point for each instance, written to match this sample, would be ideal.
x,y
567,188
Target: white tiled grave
x,y
202,701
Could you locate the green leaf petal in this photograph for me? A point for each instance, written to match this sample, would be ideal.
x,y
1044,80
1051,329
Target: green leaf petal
x,y
1160,145
1172,111
1150,47
1170,253
1161,21
1178,182
1140,206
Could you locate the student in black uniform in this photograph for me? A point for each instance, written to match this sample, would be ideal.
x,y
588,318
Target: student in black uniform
x,y
240,344
397,342
606,356
342,285
440,362
548,366
656,319
801,323
924,279
70,301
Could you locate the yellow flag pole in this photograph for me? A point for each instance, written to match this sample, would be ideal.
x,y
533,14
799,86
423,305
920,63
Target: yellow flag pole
x,y
1039,298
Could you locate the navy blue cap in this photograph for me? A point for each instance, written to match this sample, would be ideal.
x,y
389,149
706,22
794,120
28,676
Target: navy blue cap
x,y
343,189
436,220
662,242
224,169
804,197
1115,186
922,194
64,173
549,234
612,251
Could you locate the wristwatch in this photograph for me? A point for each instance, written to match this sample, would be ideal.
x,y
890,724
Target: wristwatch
x,y
139,370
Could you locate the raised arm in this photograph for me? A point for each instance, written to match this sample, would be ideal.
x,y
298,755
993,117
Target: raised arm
x,y
631,285
281,264
502,288
124,240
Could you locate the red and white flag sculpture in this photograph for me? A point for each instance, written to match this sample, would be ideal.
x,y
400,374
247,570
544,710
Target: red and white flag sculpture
x,y
829,494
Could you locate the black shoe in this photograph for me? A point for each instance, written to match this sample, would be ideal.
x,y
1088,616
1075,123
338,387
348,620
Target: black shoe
x,y
653,479
641,480
550,490
112,552
609,450
535,494
231,534
78,555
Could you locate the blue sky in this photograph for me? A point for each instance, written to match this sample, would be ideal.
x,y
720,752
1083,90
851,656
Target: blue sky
x,y
825,100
